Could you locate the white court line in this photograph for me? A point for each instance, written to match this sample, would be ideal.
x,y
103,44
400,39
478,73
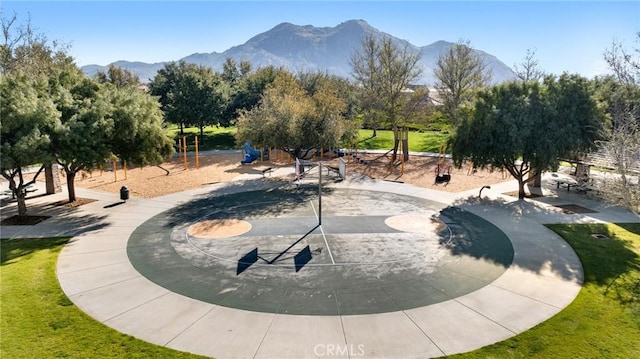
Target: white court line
x,y
323,235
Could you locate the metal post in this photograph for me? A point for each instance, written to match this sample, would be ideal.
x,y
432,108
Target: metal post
x,y
320,195
197,158
184,151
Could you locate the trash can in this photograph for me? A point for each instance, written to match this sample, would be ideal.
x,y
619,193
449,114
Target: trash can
x,y
124,193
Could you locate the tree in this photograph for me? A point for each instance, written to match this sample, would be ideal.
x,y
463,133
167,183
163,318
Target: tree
x,y
384,70
81,142
191,95
118,76
102,120
312,82
621,96
249,90
289,118
460,72
527,127
529,70
27,109
138,136
28,116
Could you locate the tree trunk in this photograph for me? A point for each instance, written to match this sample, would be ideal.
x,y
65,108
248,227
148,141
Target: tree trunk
x,y
396,142
537,179
521,193
21,197
181,128
71,188
201,131
375,132
52,178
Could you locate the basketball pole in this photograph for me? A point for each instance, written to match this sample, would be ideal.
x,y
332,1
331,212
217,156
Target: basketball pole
x,y
320,195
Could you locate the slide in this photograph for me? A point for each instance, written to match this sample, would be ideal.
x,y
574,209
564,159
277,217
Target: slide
x,y
250,154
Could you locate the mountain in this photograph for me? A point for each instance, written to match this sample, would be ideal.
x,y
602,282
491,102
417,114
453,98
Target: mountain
x,y
310,48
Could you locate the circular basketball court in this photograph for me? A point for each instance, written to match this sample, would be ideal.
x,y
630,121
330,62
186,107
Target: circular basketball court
x,y
285,251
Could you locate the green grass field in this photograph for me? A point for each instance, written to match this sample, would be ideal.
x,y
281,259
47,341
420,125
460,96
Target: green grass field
x,y
39,321
604,319
215,138
427,141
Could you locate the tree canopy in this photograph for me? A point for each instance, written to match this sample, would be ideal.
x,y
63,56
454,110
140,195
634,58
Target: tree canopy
x,y
294,120
384,71
525,127
248,89
118,76
51,112
459,72
191,95
28,103
28,117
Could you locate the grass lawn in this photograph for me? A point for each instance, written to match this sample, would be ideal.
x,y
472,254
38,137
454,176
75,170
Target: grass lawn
x,y
220,138
39,321
215,138
428,141
604,319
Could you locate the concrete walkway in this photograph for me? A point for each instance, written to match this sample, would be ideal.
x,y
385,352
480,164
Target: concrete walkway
x,y
95,273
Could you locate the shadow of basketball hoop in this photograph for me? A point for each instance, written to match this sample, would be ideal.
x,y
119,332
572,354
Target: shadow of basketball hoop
x,y
300,259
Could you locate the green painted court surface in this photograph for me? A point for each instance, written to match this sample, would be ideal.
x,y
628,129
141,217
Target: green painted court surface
x,y
356,262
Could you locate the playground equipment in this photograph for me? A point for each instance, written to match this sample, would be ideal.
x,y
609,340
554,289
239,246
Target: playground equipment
x,y
445,177
305,169
250,154
443,170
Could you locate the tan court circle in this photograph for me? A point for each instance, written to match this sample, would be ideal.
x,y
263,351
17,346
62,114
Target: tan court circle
x,y
414,223
219,228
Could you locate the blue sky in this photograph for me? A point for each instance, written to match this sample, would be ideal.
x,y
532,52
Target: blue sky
x,y
567,36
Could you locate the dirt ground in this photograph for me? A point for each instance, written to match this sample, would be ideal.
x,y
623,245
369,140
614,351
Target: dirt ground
x,y
153,181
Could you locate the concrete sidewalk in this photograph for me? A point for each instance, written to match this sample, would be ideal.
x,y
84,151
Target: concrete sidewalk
x,y
96,274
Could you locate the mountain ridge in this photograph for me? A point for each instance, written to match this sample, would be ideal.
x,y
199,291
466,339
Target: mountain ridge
x,y
310,48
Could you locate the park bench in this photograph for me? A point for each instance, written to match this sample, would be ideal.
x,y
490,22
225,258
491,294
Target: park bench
x,y
265,170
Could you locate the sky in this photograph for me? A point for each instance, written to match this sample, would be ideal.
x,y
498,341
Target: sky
x,y
567,36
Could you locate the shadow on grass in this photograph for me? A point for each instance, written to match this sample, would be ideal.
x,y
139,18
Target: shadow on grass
x,y
610,257
14,248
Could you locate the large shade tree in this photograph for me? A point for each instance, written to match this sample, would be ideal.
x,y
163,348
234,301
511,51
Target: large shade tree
x,y
52,112
247,90
384,70
27,116
526,127
139,135
80,142
294,120
103,121
28,111
191,95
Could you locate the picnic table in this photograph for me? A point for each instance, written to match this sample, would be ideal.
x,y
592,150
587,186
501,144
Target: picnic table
x,y
564,181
